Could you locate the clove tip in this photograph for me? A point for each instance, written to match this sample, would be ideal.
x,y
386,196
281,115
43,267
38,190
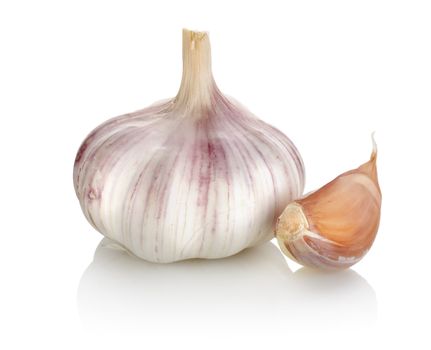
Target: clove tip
x,y
374,151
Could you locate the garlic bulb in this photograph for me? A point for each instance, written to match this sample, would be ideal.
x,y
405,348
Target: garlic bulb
x,y
335,226
197,176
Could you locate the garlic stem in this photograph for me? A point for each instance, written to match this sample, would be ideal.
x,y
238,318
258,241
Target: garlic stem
x,y
197,84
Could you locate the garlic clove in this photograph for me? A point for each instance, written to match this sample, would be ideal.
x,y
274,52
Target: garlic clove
x,y
335,226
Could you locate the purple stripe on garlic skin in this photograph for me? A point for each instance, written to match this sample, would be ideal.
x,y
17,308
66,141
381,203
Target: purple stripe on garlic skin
x,y
197,176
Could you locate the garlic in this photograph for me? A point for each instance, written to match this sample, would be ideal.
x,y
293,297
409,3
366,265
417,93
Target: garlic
x,y
335,226
197,176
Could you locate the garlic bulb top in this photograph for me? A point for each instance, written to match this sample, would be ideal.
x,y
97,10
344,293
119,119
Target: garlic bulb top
x,y
197,176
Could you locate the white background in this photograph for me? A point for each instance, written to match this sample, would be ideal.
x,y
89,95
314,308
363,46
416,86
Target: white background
x,y
327,73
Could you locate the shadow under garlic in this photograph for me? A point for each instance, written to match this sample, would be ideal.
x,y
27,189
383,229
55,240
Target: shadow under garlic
x,y
242,293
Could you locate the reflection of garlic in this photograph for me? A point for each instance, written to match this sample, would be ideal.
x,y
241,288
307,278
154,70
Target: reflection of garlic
x,y
335,226
195,176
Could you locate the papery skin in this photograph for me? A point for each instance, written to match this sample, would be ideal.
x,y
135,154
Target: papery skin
x,y
197,176
335,226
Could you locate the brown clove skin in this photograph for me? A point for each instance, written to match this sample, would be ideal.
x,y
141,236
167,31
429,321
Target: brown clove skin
x,y
335,226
